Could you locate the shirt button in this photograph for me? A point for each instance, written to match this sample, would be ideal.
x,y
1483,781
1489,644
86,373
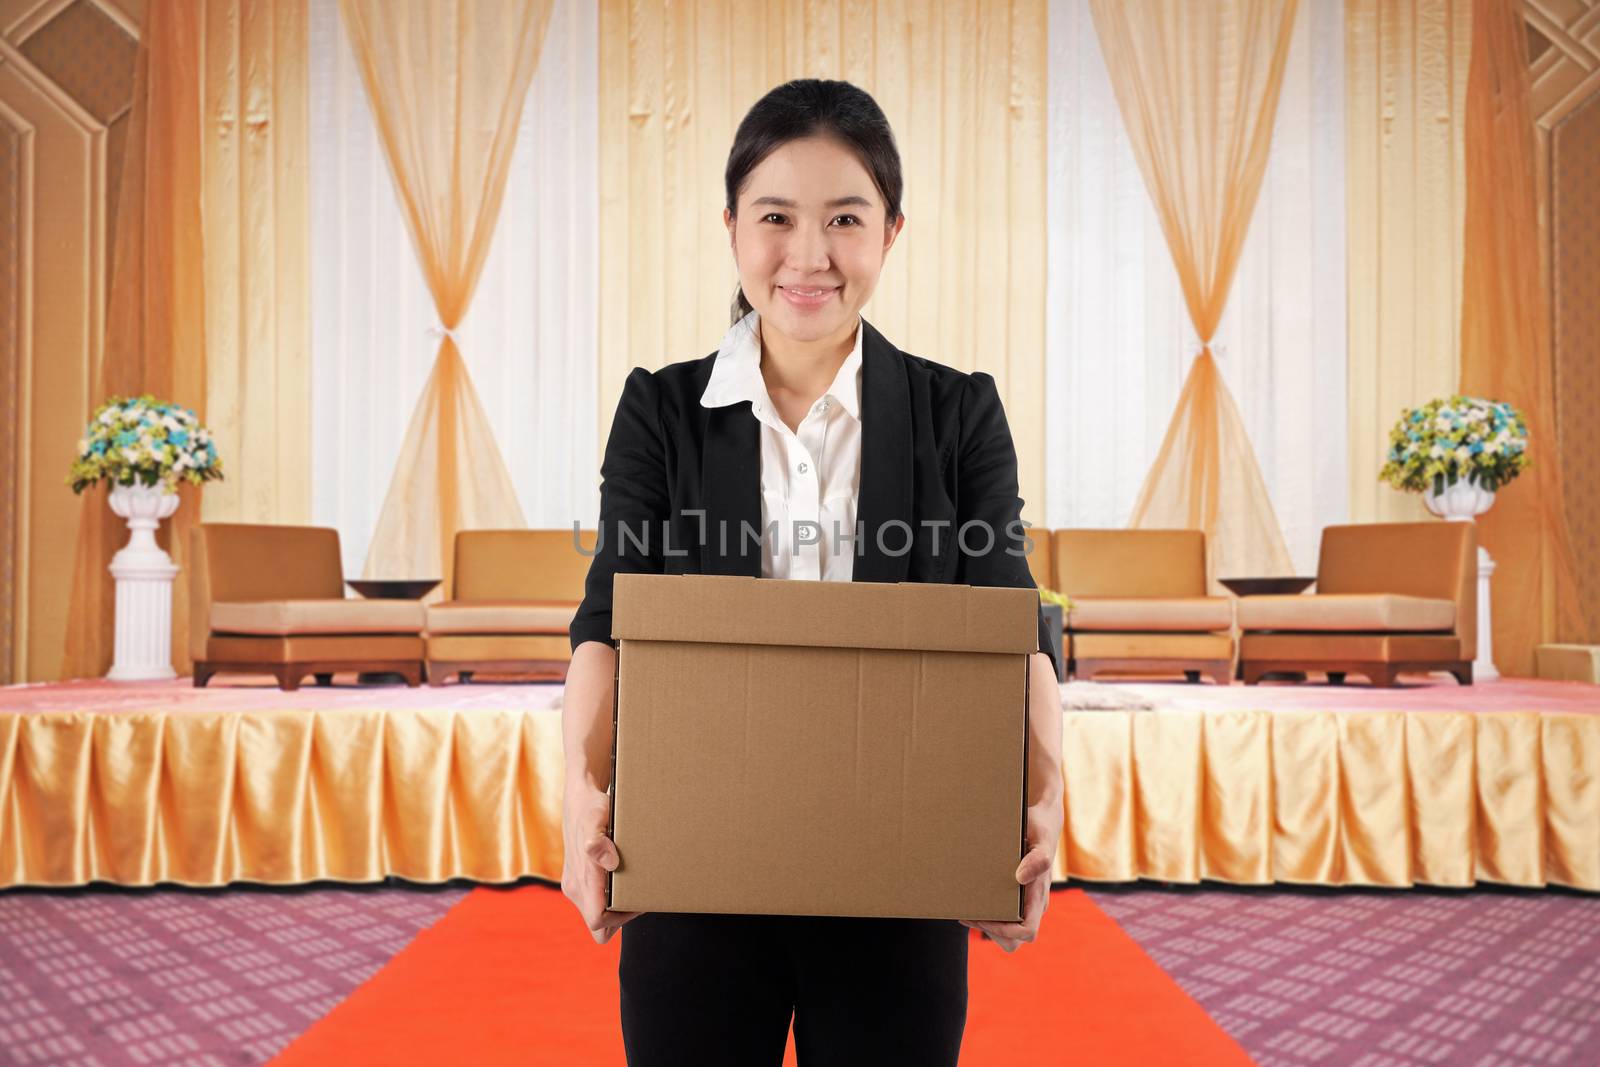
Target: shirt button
x,y
804,467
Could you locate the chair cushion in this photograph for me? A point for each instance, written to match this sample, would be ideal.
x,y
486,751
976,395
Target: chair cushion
x,y
1151,646
501,616
282,617
1196,614
1347,613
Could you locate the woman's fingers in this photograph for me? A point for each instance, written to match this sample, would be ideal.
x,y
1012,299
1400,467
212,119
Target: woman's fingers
x,y
591,854
602,850
1035,900
1034,865
610,923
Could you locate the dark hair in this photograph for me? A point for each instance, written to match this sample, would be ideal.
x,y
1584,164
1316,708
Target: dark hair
x,y
811,107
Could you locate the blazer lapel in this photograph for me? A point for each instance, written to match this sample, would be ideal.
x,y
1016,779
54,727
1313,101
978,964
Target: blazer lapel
x,y
730,481
885,493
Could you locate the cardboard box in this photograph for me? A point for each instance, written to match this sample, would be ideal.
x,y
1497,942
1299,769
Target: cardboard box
x,y
820,748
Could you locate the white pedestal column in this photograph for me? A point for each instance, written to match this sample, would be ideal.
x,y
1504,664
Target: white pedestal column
x,y
144,574
1483,669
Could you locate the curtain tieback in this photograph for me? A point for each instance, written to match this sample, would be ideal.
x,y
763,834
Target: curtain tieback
x,y
439,331
1193,349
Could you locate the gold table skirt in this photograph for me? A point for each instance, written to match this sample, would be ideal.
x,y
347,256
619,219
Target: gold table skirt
x,y
355,795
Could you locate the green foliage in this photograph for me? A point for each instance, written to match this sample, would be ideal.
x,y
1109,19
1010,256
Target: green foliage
x,y
144,441
1446,440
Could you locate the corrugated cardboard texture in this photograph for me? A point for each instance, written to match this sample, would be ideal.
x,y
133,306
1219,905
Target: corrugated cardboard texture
x,y
765,765
756,611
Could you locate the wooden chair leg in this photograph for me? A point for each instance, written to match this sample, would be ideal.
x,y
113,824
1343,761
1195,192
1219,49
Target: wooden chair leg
x,y
1463,673
289,675
1222,674
413,674
437,673
202,674
1251,672
1382,676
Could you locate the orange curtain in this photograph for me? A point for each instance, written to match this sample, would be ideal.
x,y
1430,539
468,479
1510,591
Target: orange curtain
x,y
155,320
1198,86
446,80
1505,340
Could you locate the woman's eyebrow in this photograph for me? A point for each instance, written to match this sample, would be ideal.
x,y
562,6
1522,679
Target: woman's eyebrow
x,y
843,201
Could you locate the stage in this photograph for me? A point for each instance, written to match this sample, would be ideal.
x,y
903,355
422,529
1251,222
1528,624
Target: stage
x,y
1425,784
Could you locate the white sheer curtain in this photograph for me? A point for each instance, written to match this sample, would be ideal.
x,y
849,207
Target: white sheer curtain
x,y
1117,337
529,338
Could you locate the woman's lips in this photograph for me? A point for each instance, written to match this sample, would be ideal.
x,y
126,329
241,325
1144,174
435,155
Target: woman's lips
x,y
807,297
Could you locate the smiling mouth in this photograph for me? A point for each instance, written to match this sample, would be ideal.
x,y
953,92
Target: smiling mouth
x,y
808,292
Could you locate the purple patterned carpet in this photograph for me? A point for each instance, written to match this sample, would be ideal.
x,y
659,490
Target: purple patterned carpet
x,y
1381,978
1300,978
108,977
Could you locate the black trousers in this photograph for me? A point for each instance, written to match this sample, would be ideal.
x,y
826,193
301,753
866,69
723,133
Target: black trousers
x,y
706,990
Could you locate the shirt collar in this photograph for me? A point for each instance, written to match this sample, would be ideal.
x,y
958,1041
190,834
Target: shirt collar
x,y
736,374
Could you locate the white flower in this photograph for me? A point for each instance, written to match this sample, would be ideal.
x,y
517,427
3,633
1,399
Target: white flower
x,y
131,455
83,447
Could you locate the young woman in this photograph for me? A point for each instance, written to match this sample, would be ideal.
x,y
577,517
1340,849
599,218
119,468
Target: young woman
x,y
870,462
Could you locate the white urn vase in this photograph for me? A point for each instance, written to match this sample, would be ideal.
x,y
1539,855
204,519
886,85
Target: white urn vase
x,y
1460,502
144,574
1463,502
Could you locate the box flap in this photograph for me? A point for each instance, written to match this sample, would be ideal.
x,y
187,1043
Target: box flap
x,y
722,609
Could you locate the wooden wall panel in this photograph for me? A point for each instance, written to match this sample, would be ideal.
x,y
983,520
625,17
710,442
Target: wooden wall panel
x,y
62,295
66,82
1564,50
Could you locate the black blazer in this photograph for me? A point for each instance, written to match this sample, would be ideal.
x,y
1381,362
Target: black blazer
x,y
685,481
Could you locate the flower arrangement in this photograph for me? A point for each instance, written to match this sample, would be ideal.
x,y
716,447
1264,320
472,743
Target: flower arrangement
x,y
1432,447
144,441
1050,596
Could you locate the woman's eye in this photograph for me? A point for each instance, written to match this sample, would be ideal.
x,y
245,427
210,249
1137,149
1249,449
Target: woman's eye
x,y
846,220
773,216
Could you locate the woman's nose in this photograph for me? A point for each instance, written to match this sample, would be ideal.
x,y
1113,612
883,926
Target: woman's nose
x,y
807,251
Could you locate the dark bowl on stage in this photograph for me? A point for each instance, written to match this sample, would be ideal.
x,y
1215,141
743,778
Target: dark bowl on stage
x,y
1267,586
390,589
393,588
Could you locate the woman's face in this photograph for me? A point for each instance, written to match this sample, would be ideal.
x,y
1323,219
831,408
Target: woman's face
x,y
810,238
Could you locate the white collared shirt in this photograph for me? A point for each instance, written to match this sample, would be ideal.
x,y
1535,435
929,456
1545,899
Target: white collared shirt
x,y
810,479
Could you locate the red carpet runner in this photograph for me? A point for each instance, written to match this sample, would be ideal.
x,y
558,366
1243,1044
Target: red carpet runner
x,y
510,977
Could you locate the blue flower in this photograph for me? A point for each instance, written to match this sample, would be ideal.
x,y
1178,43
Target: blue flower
x,y
127,439
179,437
99,447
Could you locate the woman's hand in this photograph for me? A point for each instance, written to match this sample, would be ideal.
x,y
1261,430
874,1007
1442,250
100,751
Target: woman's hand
x,y
589,855
1044,831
